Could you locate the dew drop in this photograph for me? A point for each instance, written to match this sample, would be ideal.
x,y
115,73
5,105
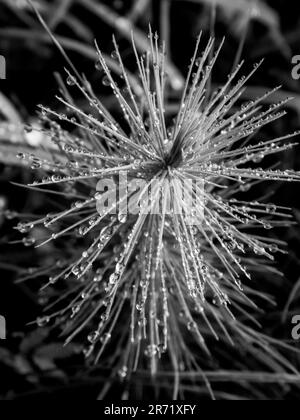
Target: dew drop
x,y
105,338
75,310
245,187
36,164
24,227
274,248
52,280
114,55
88,351
98,66
122,218
192,326
123,372
106,81
10,215
151,350
28,242
112,279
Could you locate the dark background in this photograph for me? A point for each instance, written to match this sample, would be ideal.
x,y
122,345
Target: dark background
x,y
31,362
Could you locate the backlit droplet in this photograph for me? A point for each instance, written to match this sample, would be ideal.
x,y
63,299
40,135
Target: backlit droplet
x,y
105,338
24,227
123,372
43,321
274,248
10,215
114,55
71,81
93,337
28,129
52,280
29,242
192,326
87,352
159,279
151,350
122,218
106,81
